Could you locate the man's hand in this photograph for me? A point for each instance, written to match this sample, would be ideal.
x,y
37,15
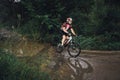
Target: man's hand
x,y
75,35
69,34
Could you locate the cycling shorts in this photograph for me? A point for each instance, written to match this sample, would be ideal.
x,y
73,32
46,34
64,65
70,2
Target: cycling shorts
x,y
64,33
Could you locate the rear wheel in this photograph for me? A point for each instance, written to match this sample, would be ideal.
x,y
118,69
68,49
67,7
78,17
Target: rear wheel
x,y
74,49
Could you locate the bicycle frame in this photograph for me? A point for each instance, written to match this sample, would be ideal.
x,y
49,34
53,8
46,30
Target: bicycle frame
x,y
71,46
68,40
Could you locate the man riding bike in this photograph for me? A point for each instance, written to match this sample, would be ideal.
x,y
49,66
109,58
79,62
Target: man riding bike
x,y
66,26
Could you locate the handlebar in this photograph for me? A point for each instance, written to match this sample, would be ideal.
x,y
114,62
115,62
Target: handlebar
x,y
69,34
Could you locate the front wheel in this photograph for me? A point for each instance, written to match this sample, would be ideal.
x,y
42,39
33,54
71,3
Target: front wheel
x,y
74,49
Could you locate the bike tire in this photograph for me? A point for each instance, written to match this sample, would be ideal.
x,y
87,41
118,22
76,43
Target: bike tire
x,y
59,48
74,49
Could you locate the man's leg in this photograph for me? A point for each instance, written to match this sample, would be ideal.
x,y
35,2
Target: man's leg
x,y
63,39
67,37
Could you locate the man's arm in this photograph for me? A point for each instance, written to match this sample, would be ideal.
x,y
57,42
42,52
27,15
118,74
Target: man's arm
x,y
73,32
63,28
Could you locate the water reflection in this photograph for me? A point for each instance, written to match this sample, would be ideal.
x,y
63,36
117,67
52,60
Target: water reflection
x,y
73,68
79,68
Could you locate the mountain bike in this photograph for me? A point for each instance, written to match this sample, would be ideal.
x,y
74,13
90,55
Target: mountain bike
x,y
73,48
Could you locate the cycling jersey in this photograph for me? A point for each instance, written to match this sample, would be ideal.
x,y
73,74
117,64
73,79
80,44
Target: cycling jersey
x,y
66,25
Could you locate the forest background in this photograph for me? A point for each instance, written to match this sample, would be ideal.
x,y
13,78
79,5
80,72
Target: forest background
x,y
96,22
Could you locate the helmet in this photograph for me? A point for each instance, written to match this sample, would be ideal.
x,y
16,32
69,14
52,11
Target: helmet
x,y
69,19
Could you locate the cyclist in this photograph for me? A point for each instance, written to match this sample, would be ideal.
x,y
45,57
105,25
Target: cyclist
x,y
66,26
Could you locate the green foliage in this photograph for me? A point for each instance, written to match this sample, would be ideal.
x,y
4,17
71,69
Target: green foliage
x,y
30,29
86,42
103,42
41,19
12,69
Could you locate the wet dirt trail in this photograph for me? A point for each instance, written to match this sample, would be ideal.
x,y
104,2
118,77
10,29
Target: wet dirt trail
x,y
88,67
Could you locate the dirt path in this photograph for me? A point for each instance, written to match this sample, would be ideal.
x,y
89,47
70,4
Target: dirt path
x,y
87,66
